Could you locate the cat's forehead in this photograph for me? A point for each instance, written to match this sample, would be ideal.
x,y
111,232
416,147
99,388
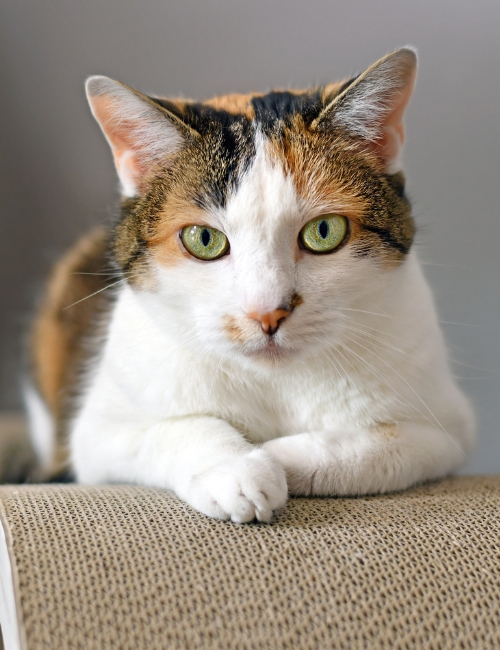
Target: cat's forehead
x,y
265,110
246,140
258,163
266,195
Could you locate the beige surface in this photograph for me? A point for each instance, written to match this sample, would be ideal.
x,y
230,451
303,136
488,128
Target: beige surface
x,y
134,568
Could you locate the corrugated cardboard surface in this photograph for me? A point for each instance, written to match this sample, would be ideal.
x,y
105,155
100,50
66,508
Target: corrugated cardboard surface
x,y
134,568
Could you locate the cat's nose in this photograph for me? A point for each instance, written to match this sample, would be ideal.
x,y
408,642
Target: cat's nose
x,y
270,321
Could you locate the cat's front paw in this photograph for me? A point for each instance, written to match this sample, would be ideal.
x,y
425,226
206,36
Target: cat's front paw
x,y
242,489
315,463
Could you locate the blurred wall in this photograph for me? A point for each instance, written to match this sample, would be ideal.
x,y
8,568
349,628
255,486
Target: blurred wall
x,y
57,178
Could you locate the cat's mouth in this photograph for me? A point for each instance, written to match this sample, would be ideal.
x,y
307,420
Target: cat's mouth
x,y
268,350
258,346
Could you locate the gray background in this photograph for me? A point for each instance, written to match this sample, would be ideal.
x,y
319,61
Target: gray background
x,y
57,178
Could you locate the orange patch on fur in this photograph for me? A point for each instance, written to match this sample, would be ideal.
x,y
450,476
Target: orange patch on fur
x,y
240,103
236,104
387,431
233,330
66,318
330,90
165,246
238,331
304,162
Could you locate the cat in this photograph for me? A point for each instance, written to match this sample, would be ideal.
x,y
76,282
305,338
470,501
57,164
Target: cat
x,y
267,329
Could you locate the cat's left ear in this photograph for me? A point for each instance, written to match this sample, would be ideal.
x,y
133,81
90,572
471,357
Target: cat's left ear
x,y
141,133
373,105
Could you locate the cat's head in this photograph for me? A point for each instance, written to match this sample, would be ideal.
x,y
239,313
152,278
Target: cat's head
x,y
250,221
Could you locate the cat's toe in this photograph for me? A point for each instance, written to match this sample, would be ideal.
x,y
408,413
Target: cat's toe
x,y
242,489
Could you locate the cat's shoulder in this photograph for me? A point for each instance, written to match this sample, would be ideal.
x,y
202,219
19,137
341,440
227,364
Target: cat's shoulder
x,y
75,295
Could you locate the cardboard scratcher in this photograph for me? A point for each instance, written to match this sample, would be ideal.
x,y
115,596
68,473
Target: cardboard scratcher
x,y
134,568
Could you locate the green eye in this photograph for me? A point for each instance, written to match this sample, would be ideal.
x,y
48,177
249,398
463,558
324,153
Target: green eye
x,y
324,234
204,243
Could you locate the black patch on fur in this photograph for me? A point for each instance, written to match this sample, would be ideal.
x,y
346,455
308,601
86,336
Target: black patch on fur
x,y
66,476
230,150
277,108
346,85
129,247
400,191
141,250
397,182
387,238
226,138
200,117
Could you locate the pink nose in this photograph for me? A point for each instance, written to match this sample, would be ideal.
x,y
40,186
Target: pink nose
x,y
270,321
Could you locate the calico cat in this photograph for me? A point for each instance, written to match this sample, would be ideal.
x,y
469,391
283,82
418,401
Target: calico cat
x,y
267,329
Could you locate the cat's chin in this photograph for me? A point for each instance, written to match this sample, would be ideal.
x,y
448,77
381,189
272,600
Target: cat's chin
x,y
269,353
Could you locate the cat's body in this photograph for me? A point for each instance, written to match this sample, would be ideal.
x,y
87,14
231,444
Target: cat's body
x,y
277,357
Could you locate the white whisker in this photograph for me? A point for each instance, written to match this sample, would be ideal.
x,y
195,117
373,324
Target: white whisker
x,y
403,400
416,395
215,374
374,329
374,313
99,291
363,336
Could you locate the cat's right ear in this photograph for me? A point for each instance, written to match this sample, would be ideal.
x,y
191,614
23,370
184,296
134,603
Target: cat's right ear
x,y
142,135
373,104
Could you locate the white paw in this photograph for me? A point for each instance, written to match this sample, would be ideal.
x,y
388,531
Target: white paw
x,y
340,463
244,488
315,464
300,460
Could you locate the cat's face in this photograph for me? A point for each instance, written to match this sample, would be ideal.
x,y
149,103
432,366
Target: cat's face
x,y
251,221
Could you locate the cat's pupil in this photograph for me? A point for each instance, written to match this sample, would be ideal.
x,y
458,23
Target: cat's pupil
x,y
323,229
205,237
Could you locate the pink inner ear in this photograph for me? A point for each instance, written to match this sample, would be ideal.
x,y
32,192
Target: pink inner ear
x,y
128,167
122,136
389,145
